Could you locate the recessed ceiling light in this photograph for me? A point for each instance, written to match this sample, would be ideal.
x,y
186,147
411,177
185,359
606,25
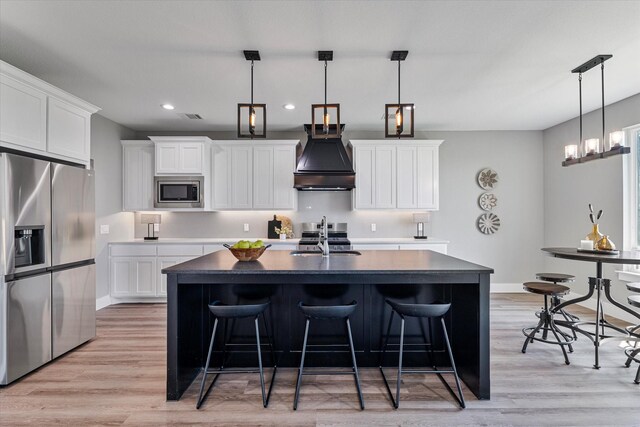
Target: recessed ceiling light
x,y
289,107
168,106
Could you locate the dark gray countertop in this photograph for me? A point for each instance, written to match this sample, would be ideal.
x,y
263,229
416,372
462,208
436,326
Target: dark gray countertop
x,y
279,262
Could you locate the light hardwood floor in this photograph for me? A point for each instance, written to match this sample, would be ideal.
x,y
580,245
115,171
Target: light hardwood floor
x,y
119,379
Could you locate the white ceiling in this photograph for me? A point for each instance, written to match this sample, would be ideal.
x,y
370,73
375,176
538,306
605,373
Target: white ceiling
x,y
472,65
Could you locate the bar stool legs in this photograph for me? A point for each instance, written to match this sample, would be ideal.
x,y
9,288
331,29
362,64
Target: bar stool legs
x,y
459,397
336,312
202,395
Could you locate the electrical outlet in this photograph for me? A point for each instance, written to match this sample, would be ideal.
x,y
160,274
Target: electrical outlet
x,y
373,227
246,227
104,229
156,228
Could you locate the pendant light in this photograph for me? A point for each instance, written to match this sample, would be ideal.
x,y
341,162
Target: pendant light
x,y
594,148
252,118
402,124
325,113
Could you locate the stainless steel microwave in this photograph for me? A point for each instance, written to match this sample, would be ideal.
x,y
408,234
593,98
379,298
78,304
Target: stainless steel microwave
x,y
178,192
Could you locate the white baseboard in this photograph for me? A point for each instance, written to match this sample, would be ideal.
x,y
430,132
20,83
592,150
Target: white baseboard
x,y
506,288
103,302
138,300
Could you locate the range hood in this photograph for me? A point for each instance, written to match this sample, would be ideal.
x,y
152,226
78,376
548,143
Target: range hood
x,y
324,165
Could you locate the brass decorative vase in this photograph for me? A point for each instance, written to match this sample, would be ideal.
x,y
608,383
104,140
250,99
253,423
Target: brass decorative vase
x,y
595,236
605,244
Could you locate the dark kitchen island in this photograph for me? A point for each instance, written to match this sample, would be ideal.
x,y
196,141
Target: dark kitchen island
x,y
410,276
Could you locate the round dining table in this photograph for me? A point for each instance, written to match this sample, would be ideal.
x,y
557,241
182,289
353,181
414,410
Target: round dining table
x,y
599,286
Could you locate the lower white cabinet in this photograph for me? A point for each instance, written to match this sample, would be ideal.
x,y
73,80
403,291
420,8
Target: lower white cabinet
x,y
133,276
166,262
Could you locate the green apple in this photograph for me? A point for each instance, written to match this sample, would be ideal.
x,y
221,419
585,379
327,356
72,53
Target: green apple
x,y
243,244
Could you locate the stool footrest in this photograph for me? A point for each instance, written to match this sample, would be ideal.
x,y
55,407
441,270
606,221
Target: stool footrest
x,y
329,373
426,371
233,371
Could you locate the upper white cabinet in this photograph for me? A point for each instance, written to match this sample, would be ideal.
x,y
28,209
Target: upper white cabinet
x,y
68,133
181,155
398,175
254,175
23,114
137,175
39,118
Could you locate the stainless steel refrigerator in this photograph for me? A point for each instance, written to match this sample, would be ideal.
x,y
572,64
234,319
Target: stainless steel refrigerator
x,y
47,267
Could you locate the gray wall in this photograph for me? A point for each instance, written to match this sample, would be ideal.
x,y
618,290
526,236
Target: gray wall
x,y
568,191
514,251
106,152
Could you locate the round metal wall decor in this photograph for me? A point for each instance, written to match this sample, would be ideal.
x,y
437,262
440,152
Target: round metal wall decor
x,y
488,223
487,201
487,179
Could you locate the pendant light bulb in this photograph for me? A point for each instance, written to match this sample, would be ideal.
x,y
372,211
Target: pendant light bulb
x,y
326,119
399,126
252,120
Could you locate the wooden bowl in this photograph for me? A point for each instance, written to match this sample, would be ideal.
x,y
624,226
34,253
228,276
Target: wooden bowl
x,y
250,254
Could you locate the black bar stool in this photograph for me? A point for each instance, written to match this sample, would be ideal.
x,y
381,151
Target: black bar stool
x,y
546,323
556,278
325,312
222,311
429,311
633,353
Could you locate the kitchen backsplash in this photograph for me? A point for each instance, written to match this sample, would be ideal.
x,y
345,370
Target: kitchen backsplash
x,y
311,207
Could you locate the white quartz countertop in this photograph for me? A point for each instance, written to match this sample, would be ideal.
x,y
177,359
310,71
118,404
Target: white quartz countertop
x,y
221,240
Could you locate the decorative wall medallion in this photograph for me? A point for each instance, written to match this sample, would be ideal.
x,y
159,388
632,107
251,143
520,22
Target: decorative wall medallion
x,y
488,223
487,201
487,179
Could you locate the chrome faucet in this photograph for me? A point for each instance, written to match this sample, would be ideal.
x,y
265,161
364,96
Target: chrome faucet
x,y
323,244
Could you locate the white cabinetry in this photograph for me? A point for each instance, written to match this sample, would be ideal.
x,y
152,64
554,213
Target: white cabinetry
x,y
181,155
133,276
402,175
254,175
23,114
68,133
137,175
39,118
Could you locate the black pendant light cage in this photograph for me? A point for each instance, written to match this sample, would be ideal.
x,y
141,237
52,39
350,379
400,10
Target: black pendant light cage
x,y
591,151
398,118
252,117
325,118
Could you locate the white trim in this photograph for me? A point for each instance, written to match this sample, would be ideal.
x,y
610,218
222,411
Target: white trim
x,y
628,276
138,300
103,302
629,184
506,288
396,142
26,78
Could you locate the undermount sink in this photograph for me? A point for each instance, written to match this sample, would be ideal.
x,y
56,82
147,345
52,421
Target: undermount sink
x,y
318,253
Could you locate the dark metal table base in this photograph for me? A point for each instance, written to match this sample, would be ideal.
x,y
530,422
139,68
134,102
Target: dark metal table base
x,y
598,285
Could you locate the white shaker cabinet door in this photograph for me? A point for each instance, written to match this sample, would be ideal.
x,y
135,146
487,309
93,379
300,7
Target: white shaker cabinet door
x,y
23,115
241,177
407,185
263,177
137,182
365,168
385,177
284,164
144,276
120,276
221,177
166,262
427,178
68,130
167,158
190,158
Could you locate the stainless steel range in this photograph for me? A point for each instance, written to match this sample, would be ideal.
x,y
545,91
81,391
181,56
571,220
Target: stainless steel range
x,y
337,236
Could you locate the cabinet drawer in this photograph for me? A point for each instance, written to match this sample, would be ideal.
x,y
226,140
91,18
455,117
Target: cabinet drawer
x,y
180,250
132,250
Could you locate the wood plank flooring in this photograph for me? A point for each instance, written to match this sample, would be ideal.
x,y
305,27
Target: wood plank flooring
x,y
119,379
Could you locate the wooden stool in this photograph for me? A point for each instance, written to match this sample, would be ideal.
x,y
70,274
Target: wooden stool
x,y
633,354
556,301
546,323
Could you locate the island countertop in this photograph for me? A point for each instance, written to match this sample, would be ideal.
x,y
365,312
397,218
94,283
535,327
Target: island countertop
x,y
282,262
